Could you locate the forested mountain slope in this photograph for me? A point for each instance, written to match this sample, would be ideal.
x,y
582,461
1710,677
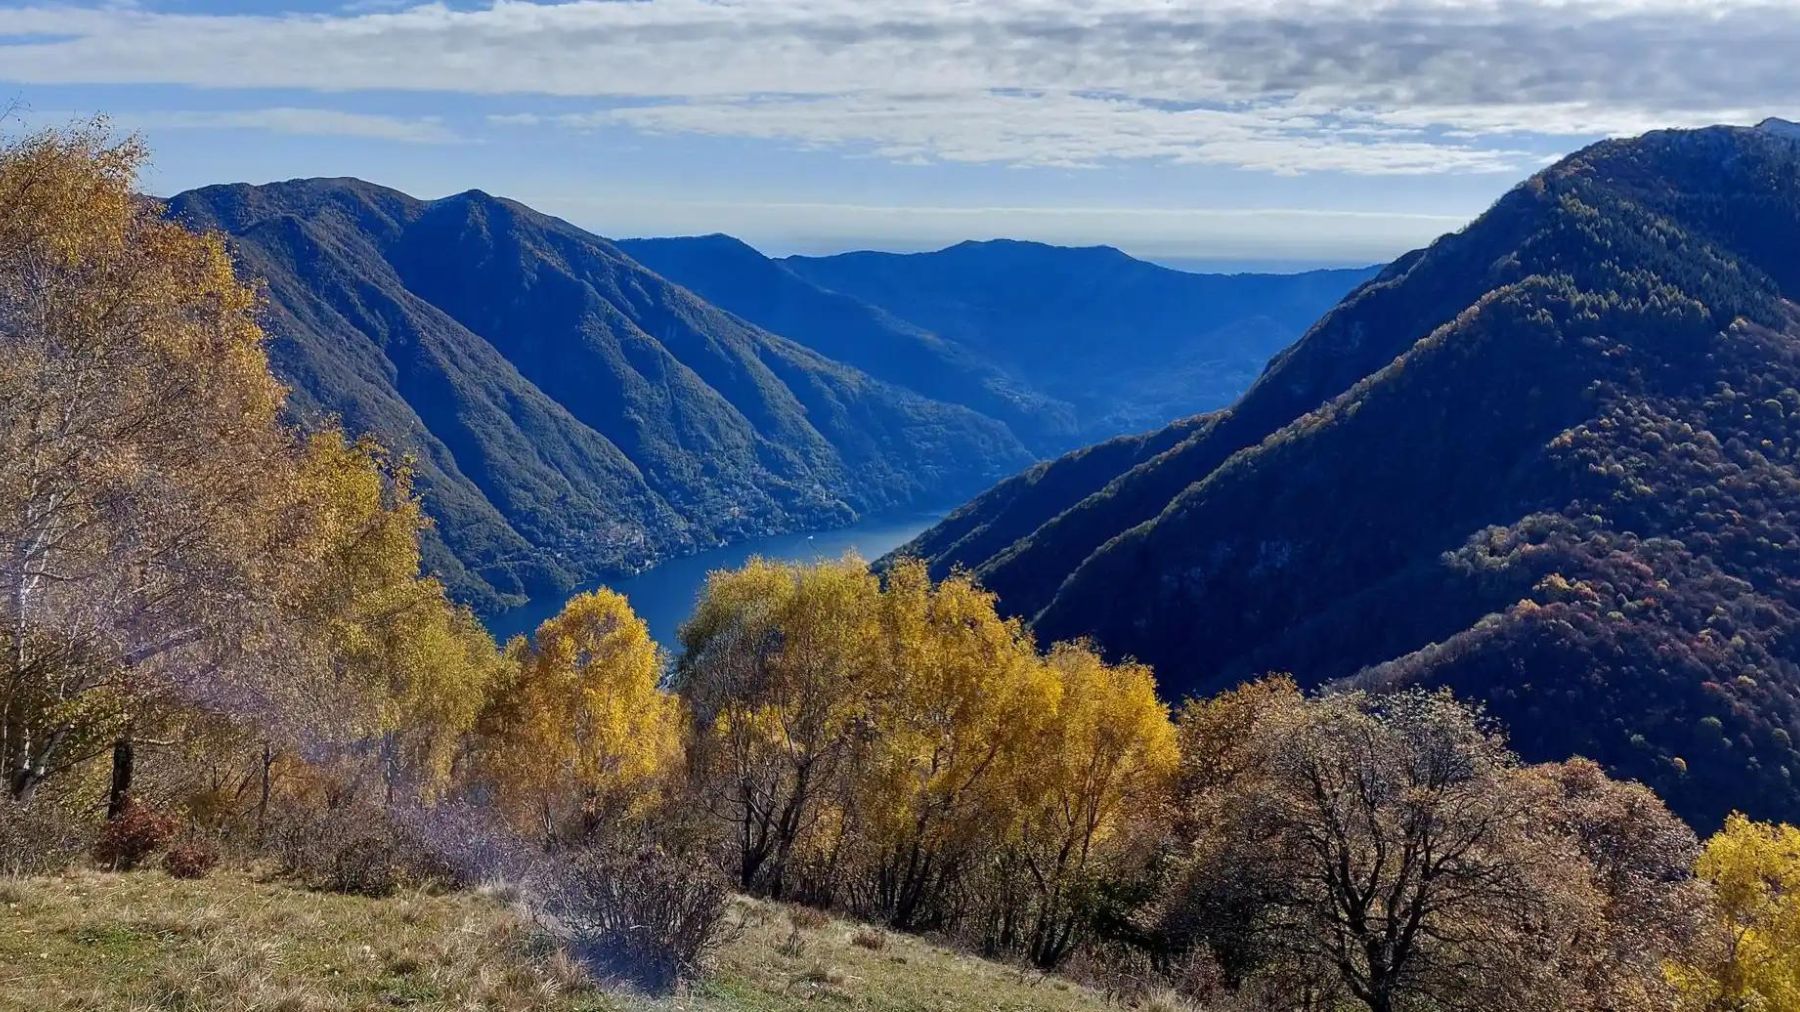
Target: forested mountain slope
x,y
572,413
1129,344
1550,461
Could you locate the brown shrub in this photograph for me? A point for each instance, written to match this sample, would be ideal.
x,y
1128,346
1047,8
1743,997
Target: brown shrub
x,y
808,918
632,909
354,849
793,946
131,838
191,858
39,838
1123,974
366,867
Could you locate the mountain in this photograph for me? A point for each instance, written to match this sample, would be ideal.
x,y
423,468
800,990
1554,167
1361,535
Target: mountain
x,y
571,412
732,275
1127,344
1551,462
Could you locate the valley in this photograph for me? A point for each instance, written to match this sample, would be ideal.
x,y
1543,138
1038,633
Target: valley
x,y
575,409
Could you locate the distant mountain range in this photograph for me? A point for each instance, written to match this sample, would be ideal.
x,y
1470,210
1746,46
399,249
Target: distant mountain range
x,y
1066,345
1128,345
574,411
1552,462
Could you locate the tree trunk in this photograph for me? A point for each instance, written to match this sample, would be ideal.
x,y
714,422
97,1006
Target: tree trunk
x,y
124,759
24,782
262,801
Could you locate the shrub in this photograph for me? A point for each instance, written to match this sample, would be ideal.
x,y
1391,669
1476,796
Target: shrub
x,y
1123,974
807,918
190,858
39,838
133,836
634,910
794,945
364,867
355,849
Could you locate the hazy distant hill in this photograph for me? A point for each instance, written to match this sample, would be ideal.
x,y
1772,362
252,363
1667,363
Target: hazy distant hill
x,y
1553,461
572,412
735,277
1130,345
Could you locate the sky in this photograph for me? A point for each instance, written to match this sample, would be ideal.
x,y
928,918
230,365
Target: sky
x,y
1210,133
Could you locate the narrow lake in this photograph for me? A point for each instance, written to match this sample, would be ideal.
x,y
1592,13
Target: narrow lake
x,y
663,596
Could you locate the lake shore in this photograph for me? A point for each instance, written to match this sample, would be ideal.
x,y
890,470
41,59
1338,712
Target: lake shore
x,y
664,595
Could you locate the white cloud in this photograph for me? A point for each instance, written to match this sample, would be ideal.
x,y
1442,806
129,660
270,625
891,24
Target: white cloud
x,y
1050,129
1284,85
291,120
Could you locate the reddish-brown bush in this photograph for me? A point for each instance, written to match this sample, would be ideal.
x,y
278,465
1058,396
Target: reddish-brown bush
x,y
138,832
190,858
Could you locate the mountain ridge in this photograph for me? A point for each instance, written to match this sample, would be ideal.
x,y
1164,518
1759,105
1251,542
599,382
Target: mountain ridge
x,y
1127,343
571,412
1548,461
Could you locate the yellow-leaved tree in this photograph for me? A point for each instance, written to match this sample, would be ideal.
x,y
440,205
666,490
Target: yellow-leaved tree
x,y
781,667
177,565
1752,960
1106,760
962,701
139,450
578,731
407,669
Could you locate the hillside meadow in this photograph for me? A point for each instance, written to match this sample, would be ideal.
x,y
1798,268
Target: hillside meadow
x,y
239,940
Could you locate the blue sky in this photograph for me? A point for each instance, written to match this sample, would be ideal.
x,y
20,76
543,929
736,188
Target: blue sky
x,y
1223,131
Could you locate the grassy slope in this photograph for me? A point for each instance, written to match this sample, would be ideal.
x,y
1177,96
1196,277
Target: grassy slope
x,y
91,940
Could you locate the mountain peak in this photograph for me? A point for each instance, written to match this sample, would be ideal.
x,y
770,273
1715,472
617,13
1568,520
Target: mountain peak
x,y
715,243
1780,127
1034,247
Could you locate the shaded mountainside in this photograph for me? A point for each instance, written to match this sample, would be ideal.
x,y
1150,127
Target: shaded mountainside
x,y
1552,461
1128,344
572,413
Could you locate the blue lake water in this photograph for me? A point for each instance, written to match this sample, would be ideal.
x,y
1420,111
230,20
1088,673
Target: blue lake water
x,y
664,595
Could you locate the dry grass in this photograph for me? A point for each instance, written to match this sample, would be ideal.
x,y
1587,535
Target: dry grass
x,y
93,941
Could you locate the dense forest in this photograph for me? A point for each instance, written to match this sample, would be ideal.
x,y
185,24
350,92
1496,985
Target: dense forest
x,y
1547,462
220,645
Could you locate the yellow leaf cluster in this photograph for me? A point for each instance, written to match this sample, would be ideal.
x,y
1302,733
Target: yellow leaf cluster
x,y
1753,961
578,730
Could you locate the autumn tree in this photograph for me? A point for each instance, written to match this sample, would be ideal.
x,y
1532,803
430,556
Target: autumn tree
x,y
1639,858
182,569
1217,893
961,699
396,669
1103,764
139,437
778,667
579,731
1749,960
1391,850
